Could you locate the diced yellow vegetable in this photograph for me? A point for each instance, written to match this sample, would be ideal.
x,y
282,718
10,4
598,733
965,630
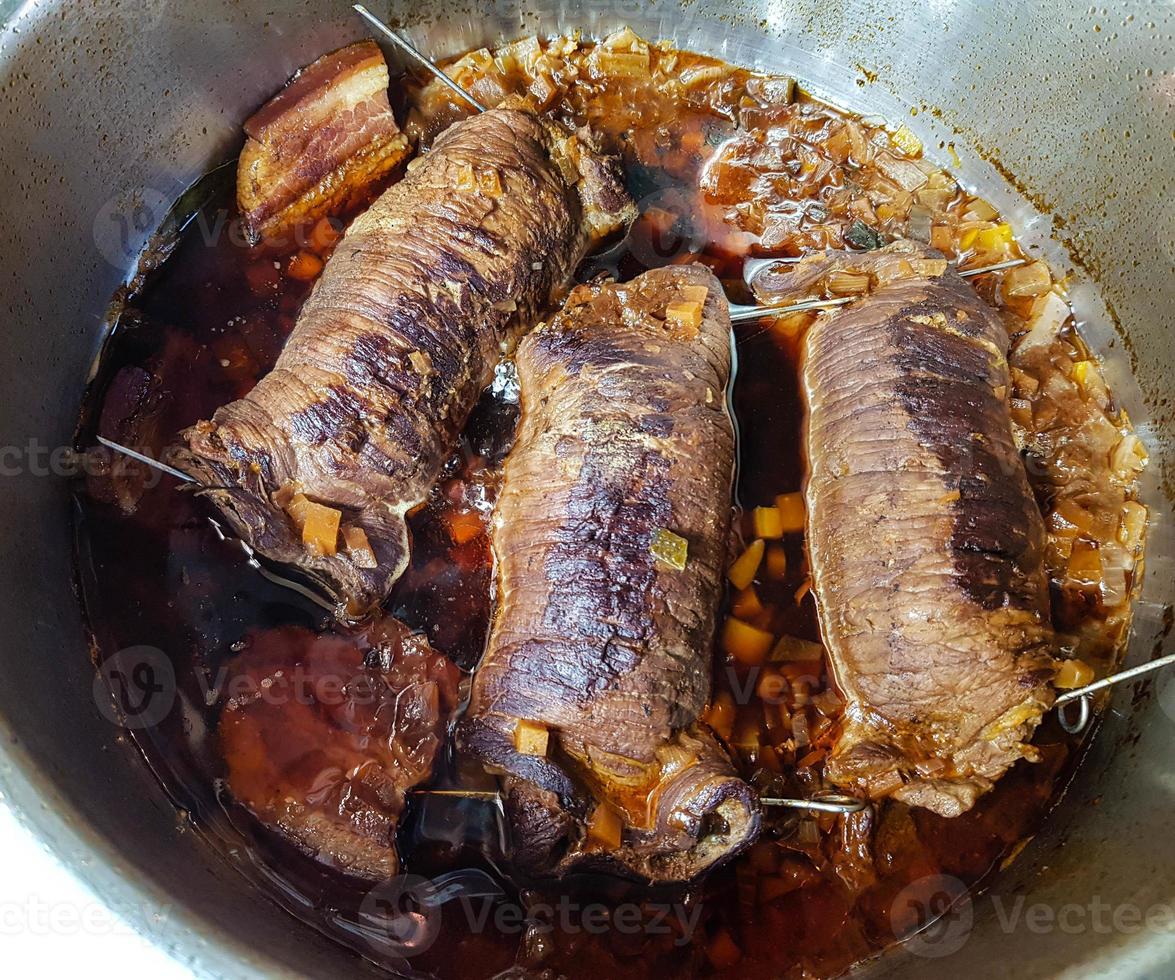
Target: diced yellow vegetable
x,y
670,548
318,523
1072,674
994,239
695,294
776,561
768,522
359,548
721,714
773,886
967,238
746,643
746,604
907,142
531,737
605,827
742,572
791,511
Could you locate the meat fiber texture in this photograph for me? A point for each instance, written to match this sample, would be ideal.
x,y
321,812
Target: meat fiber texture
x,y
925,541
624,434
400,335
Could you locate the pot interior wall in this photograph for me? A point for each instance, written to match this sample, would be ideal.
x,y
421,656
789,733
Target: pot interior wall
x,y
110,109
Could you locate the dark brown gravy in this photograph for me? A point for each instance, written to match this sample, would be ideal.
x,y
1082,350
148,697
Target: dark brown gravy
x,y
807,900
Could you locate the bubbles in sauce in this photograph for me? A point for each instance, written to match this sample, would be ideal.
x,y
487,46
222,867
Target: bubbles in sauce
x,y
725,165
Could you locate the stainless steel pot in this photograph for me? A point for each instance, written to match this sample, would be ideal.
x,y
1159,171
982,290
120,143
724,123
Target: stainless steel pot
x,y
1064,117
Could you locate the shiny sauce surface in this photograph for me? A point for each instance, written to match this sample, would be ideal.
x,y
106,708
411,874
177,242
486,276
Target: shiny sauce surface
x,y
725,165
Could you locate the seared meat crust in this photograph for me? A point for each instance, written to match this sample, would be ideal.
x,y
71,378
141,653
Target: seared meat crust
x,y
400,335
925,541
624,432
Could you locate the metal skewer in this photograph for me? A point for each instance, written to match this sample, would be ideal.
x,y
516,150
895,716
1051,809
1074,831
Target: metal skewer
x,y
154,463
415,55
1084,695
742,313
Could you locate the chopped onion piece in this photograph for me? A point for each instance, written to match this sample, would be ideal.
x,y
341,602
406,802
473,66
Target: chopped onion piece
x,y
742,572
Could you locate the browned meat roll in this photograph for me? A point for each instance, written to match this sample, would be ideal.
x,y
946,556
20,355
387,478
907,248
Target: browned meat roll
x,y
925,541
610,536
318,464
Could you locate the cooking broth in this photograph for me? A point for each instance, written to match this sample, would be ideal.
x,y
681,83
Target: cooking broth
x,y
725,165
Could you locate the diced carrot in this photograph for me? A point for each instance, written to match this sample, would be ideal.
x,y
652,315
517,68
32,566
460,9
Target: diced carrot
x,y
488,182
304,266
742,572
722,951
746,643
359,548
685,316
318,523
767,522
1073,674
465,526
746,604
776,559
721,713
531,737
942,237
791,511
323,235
605,826
1085,563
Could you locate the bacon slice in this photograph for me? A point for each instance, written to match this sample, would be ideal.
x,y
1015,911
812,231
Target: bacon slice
x,y
316,146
